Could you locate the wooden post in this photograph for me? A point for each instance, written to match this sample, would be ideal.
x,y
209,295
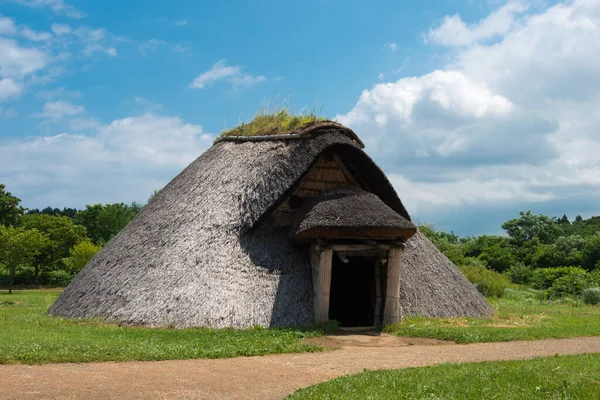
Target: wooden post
x,y
391,313
378,294
321,271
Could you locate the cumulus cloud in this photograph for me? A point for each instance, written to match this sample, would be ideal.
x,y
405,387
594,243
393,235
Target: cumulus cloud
x,y
57,110
124,160
454,32
35,35
60,7
222,71
61,29
17,61
511,118
9,88
7,26
92,49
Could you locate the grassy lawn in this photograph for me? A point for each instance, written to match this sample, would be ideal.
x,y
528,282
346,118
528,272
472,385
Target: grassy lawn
x,y
514,320
28,335
567,377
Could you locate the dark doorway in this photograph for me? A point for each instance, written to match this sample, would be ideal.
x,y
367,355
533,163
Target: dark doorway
x,y
352,292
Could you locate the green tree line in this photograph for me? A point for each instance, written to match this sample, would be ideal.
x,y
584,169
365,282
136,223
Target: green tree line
x,y
50,246
545,253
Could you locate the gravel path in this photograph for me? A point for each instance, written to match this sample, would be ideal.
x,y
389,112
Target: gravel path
x,y
267,377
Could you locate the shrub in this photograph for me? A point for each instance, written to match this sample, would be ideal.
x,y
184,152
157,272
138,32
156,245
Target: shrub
x,y
519,273
543,278
591,296
56,278
488,282
79,255
570,284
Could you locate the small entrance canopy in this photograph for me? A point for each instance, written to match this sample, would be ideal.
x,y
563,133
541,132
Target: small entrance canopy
x,y
351,214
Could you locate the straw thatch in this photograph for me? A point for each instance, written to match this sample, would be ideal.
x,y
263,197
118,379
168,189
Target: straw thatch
x,y
432,286
351,213
209,249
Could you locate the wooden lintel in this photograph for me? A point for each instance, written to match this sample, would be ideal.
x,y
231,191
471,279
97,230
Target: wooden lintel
x,y
324,181
359,247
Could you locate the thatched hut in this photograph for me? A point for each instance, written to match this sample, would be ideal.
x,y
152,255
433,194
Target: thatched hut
x,y
275,230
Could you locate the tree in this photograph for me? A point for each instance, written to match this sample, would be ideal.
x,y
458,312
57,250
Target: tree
x,y
63,234
66,212
531,226
103,222
566,250
18,247
10,210
564,220
80,255
591,252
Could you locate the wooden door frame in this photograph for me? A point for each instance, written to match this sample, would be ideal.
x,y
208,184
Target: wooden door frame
x,y
387,310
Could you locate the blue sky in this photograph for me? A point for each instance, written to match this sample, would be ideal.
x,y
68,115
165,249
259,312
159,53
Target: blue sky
x,y
475,109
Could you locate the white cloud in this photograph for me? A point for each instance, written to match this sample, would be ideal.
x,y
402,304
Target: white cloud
x,y
92,49
7,26
392,46
512,118
180,49
222,71
124,160
182,22
17,61
151,46
35,36
9,88
88,34
58,6
465,191
57,110
435,112
454,32
61,29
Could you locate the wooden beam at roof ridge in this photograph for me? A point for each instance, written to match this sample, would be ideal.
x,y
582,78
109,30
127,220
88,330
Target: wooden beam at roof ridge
x,y
345,171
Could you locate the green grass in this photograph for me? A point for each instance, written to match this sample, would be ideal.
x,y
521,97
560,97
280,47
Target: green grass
x,y
514,320
278,123
567,377
28,335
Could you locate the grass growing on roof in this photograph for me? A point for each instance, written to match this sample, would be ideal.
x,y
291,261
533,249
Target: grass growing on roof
x,y
29,335
566,377
516,318
279,123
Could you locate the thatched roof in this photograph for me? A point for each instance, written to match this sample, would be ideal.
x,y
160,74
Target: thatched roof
x,y
432,286
351,213
205,252
284,125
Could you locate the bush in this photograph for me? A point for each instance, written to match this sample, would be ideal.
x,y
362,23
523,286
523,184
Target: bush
x,y
544,278
519,273
571,284
488,282
80,255
56,278
591,296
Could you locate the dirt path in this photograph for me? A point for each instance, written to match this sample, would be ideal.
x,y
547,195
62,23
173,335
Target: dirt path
x,y
267,377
